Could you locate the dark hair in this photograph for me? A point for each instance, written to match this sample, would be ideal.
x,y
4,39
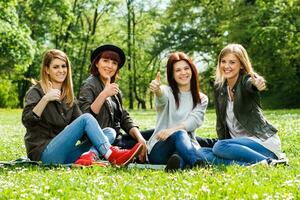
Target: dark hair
x,y
108,55
195,87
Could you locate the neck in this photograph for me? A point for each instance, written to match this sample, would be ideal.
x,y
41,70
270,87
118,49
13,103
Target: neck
x,y
231,82
185,88
57,86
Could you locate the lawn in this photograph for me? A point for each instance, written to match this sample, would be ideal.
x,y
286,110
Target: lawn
x,y
233,182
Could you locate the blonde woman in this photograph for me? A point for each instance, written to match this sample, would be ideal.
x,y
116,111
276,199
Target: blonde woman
x,y
245,136
54,123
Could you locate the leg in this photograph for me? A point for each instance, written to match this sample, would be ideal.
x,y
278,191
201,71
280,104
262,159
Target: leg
x,y
242,149
161,152
127,142
64,143
209,157
185,148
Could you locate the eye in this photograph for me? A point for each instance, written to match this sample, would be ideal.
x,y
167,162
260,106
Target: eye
x,y
64,66
115,62
232,62
223,61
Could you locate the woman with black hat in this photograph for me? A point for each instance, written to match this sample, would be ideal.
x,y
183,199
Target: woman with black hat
x,y
101,97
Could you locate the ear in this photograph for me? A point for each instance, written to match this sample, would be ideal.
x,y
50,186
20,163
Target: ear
x,y
47,70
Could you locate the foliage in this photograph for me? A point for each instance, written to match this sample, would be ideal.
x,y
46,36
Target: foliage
x,y
268,29
259,182
8,95
16,45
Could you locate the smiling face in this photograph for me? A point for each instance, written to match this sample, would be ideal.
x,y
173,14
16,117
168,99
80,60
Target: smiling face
x,y
107,68
57,72
182,74
230,67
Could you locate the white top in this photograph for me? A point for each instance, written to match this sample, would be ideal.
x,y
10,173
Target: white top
x,y
236,130
169,116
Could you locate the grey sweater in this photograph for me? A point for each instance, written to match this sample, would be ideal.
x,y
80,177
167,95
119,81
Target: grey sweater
x,y
169,116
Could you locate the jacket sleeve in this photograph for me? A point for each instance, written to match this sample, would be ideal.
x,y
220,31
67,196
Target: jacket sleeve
x,y
86,98
248,85
219,124
196,117
32,98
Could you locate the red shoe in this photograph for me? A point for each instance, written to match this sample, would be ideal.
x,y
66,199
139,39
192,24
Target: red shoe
x,y
124,156
88,159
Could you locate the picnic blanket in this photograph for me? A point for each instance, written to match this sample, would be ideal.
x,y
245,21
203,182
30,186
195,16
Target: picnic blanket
x,y
23,162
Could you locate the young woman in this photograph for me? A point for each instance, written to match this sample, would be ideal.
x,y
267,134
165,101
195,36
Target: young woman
x,y
180,110
54,125
101,97
245,136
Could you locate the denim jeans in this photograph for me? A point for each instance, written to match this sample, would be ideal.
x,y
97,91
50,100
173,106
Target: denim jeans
x,y
179,142
242,150
126,141
63,149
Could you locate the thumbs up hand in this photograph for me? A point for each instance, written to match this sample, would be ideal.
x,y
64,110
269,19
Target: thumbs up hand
x,y
155,85
52,93
258,81
110,89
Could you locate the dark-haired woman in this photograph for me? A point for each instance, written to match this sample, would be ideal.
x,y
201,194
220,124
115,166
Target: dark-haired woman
x,y
100,95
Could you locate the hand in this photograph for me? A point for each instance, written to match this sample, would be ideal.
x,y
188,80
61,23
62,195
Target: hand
x,y
142,156
110,89
155,84
164,134
52,94
259,82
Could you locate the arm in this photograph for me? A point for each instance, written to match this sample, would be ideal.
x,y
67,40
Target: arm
x,y
36,102
196,117
254,83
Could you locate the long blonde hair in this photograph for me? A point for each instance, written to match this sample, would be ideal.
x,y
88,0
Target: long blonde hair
x,y
240,52
67,93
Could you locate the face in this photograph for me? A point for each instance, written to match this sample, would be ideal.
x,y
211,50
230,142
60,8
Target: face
x,y
182,73
57,71
107,68
230,67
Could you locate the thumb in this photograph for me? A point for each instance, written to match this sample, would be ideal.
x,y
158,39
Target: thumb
x,y
158,76
107,82
50,84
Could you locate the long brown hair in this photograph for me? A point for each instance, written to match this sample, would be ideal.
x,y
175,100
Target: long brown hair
x,y
195,86
67,93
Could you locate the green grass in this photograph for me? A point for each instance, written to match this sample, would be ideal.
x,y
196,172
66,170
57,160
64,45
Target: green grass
x,y
233,182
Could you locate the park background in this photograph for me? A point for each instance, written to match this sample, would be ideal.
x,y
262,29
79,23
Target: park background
x,y
148,30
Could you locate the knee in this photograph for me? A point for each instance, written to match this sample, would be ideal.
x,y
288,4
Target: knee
x,y
86,116
180,134
220,146
110,133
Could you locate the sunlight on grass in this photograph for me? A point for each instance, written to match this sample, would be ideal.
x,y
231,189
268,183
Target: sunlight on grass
x,y
233,182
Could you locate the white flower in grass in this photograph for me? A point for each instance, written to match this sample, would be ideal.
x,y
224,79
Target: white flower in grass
x,y
204,188
59,190
255,196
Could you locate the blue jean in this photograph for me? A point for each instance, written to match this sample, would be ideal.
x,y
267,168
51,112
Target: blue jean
x,y
242,150
63,149
179,142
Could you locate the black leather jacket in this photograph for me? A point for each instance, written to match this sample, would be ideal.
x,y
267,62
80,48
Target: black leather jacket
x,y
106,117
247,109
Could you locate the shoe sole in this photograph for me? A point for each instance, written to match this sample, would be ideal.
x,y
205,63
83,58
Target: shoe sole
x,y
173,164
135,154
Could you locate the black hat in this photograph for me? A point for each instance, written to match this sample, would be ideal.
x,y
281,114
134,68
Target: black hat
x,y
109,47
